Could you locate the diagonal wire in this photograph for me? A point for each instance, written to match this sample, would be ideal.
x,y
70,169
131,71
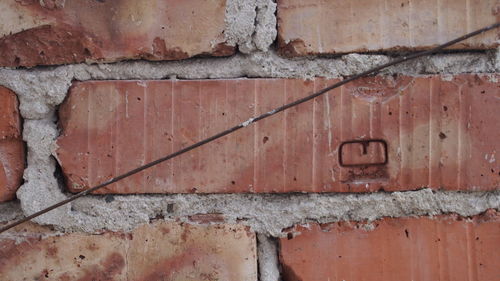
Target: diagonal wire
x,y
250,121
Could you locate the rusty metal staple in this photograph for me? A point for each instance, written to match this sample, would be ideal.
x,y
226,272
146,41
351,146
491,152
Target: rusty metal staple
x,y
251,121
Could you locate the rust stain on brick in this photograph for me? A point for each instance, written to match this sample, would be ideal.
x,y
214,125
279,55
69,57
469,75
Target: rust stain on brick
x,y
184,252
60,32
446,247
297,150
11,145
326,27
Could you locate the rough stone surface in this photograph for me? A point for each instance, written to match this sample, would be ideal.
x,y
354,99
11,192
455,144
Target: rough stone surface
x,y
383,132
441,248
78,31
11,145
327,27
158,251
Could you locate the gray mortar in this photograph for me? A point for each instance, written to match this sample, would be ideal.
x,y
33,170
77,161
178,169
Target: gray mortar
x,y
269,213
10,211
250,25
267,252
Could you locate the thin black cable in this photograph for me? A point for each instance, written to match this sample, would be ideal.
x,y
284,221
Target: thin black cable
x,y
248,122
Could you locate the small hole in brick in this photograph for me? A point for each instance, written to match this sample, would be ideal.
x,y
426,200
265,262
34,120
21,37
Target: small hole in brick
x,y
445,108
482,175
138,98
81,257
407,233
233,182
86,52
482,92
17,61
294,178
223,113
289,236
265,139
442,135
42,53
390,112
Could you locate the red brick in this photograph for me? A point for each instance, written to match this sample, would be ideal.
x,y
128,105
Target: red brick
x,y
161,251
11,145
338,26
440,133
36,33
441,248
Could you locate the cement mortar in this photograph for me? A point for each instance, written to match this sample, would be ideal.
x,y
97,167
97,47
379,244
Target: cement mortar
x,y
10,211
267,251
250,25
266,214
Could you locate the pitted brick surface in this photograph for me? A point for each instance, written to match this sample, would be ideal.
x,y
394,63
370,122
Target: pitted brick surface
x,y
36,33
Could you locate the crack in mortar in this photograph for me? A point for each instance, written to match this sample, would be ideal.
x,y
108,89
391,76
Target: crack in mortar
x,y
41,90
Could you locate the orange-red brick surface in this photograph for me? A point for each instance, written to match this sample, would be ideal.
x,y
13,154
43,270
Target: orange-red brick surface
x,y
337,26
158,251
440,248
11,145
410,133
60,32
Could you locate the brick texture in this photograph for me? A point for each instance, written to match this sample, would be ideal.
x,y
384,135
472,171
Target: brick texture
x,y
161,251
409,133
11,145
59,32
338,26
442,248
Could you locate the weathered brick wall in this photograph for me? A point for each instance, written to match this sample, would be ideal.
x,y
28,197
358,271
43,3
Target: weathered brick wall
x,y
390,177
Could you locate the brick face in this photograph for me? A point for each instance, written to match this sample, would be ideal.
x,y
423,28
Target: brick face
x,y
160,251
11,145
337,26
38,33
416,132
441,248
